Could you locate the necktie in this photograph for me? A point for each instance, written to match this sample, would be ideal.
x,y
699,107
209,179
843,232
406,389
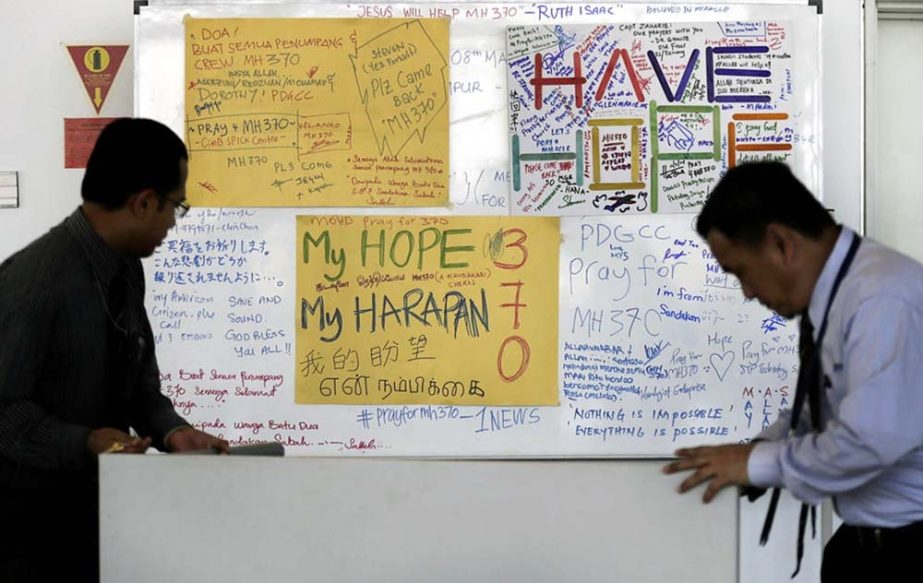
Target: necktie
x,y
808,388
809,373
809,369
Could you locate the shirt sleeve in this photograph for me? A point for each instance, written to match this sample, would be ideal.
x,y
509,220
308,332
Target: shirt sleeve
x,y
29,434
876,423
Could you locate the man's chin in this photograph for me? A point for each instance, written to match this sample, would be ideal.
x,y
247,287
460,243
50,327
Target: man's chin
x,y
783,313
148,252
788,315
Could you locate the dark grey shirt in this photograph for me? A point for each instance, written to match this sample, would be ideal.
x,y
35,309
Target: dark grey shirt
x,y
74,356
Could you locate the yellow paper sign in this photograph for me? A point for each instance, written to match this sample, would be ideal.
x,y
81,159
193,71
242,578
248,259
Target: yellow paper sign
x,y
317,112
448,310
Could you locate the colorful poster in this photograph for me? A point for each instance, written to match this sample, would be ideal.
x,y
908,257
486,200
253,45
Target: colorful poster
x,y
97,66
317,112
643,117
447,310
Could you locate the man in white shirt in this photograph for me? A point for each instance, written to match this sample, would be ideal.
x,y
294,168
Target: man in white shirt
x,y
862,441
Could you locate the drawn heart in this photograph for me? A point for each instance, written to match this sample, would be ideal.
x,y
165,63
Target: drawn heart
x,y
721,363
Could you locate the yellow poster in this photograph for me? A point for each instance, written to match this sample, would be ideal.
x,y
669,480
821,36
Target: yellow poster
x,y
317,112
447,310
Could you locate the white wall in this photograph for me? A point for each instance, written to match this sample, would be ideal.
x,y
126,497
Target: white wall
x,y
40,88
842,102
895,204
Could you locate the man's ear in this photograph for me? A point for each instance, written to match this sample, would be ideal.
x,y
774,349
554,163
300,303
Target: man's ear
x,y
144,203
782,242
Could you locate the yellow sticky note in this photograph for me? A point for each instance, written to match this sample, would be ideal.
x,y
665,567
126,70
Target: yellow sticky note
x,y
317,112
448,310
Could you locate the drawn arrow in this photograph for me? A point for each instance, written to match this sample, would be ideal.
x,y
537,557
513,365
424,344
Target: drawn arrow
x,y
98,98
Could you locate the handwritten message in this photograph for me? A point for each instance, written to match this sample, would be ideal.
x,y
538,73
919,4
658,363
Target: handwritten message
x,y
642,117
226,309
654,346
659,344
395,310
317,112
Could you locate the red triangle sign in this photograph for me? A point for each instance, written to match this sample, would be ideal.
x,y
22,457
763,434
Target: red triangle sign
x,y
97,66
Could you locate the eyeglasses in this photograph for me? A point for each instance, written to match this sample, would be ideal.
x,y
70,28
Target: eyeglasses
x,y
180,208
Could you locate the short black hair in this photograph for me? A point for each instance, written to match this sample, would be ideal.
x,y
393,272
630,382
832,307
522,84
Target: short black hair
x,y
130,155
752,195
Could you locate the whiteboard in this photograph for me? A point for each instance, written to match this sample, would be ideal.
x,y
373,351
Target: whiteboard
x,y
731,370
174,518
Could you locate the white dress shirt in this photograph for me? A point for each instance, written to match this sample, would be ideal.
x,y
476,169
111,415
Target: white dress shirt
x,y
869,453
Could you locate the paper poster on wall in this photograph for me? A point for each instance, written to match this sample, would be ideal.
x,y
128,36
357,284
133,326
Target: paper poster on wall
x,y
97,66
447,310
79,138
317,112
643,117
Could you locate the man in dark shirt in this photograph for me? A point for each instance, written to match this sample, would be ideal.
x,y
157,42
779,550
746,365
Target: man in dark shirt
x,y
77,363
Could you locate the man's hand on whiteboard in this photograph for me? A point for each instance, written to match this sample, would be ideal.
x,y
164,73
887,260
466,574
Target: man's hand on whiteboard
x,y
190,439
720,466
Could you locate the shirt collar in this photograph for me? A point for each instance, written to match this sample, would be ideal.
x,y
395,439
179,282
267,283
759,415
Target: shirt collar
x,y
104,260
821,293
